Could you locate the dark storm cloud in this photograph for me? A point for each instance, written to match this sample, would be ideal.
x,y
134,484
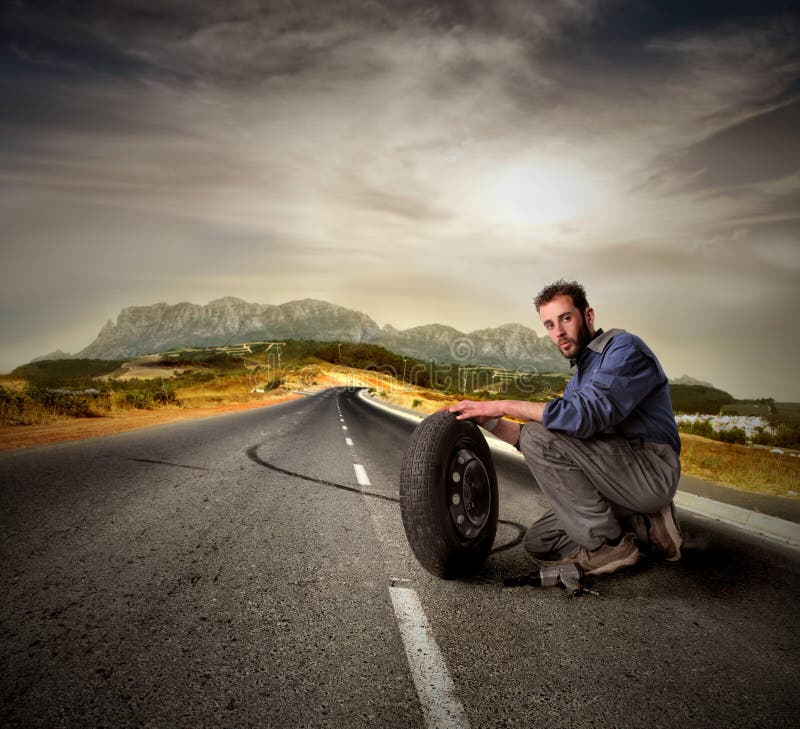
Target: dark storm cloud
x,y
244,37
761,147
124,39
248,41
96,109
624,23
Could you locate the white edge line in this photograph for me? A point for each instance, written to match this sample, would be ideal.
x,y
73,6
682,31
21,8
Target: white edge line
x,y
770,527
437,694
361,475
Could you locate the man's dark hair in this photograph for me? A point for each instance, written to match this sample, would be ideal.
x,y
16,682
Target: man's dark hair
x,y
563,288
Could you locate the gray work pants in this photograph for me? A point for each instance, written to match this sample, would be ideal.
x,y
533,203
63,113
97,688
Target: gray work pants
x,y
593,486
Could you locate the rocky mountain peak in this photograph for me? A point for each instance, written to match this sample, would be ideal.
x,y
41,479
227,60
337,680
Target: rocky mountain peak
x,y
159,327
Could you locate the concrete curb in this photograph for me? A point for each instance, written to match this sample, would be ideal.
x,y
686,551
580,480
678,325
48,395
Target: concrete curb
x,y
754,522
396,410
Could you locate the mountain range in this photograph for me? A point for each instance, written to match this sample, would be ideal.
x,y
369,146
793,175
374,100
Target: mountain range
x,y
143,330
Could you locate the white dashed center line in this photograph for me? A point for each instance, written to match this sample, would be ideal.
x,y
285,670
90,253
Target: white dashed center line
x,y
361,475
437,694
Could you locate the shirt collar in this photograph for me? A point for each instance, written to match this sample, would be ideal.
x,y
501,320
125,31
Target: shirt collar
x,y
597,344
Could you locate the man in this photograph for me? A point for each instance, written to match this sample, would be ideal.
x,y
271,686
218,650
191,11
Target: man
x,y
605,453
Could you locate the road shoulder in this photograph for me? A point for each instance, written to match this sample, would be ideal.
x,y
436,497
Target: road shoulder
x,y
13,437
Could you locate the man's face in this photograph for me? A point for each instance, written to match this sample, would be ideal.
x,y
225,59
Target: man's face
x,y
566,326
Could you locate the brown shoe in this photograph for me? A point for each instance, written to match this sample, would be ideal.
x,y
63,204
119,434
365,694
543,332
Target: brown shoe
x,y
665,534
606,559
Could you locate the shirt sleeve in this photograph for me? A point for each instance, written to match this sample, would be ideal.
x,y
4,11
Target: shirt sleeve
x,y
610,393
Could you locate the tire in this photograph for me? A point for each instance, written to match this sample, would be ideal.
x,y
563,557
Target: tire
x,y
448,496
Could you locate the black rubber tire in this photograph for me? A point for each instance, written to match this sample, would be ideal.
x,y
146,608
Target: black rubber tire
x,y
425,505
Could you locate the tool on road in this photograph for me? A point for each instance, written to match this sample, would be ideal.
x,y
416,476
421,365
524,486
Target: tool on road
x,y
567,575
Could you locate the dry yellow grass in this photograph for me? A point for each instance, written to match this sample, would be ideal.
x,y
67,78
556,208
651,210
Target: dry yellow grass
x,y
749,469
424,402
223,391
33,414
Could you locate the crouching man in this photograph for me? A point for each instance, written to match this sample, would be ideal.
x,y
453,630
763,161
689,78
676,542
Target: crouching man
x,y
605,453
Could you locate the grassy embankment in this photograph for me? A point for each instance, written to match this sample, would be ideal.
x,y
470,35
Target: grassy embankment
x,y
50,392
747,468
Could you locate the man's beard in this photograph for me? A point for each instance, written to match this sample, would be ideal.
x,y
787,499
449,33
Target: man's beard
x,y
584,337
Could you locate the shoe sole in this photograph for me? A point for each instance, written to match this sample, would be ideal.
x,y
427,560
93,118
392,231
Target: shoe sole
x,y
618,564
673,534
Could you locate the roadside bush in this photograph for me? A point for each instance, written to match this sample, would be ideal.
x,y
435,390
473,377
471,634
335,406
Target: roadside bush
x,y
35,405
762,437
786,436
734,435
11,405
146,397
9,398
136,399
61,401
700,427
272,383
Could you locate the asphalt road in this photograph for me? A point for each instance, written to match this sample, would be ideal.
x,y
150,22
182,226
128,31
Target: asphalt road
x,y
233,572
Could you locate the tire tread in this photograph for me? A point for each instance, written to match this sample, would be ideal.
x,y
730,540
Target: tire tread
x,y
438,549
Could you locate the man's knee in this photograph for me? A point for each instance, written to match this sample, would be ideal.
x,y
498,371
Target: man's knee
x,y
534,433
545,449
533,442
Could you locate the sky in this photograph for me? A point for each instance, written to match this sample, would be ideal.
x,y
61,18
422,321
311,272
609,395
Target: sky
x,y
422,162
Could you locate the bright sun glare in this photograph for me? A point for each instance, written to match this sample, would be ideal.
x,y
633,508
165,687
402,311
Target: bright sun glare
x,y
542,194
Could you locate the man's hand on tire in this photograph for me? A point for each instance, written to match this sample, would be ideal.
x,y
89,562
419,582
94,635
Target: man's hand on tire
x,y
480,412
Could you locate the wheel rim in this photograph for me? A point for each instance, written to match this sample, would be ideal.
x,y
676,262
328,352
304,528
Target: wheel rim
x,y
469,493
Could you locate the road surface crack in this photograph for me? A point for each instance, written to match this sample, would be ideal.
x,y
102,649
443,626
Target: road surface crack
x,y
168,463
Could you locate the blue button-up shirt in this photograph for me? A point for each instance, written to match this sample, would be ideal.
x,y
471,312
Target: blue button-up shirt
x,y
619,387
